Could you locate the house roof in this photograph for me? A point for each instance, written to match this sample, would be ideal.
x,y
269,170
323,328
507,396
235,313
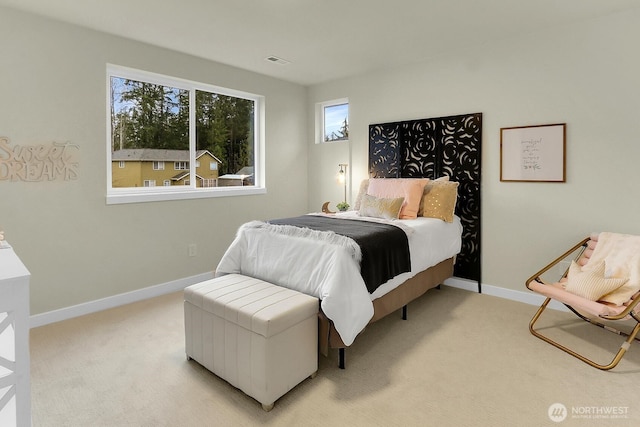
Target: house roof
x,y
243,173
182,175
156,155
247,170
233,176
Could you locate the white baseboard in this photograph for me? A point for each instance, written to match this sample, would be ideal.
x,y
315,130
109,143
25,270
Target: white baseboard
x,y
527,297
177,285
466,284
116,300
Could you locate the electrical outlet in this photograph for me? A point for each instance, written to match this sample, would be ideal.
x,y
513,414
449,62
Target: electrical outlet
x,y
193,249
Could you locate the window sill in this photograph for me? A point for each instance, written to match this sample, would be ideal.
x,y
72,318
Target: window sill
x,y
116,197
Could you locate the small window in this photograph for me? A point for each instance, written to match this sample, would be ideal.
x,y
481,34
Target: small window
x,y
149,183
158,166
332,121
180,166
121,165
166,183
213,166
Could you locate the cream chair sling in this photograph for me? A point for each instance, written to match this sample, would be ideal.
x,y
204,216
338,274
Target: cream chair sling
x,y
601,286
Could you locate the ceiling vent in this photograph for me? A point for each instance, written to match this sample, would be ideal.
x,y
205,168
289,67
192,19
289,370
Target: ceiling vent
x,y
277,60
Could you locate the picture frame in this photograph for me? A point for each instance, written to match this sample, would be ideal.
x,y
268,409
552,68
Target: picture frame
x,y
533,153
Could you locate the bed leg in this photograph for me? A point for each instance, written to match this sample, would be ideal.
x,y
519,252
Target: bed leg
x,y
341,358
404,312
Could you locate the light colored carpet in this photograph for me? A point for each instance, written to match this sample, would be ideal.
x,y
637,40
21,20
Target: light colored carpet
x,y
461,359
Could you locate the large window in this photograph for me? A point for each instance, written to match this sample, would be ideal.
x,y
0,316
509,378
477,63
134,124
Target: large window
x,y
332,121
154,119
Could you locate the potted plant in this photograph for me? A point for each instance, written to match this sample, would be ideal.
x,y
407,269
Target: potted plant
x,y
342,206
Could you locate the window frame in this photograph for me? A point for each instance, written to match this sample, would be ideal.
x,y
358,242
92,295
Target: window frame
x,y
120,195
181,166
320,119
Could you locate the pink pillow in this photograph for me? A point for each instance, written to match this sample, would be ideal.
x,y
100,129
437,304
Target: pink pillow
x,y
409,188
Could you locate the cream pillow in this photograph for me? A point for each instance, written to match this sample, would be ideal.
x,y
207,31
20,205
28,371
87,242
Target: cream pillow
x,y
364,185
410,189
380,207
440,201
591,284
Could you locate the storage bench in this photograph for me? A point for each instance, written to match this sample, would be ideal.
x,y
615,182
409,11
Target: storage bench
x,y
259,337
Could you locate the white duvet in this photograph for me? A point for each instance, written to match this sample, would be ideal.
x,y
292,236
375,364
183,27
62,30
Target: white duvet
x,y
329,270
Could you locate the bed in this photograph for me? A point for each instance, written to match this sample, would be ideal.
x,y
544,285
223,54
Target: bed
x,y
316,262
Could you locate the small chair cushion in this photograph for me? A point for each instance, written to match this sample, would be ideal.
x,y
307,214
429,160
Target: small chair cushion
x,y
591,283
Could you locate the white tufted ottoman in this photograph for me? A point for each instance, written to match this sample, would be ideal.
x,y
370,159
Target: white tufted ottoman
x,y
259,337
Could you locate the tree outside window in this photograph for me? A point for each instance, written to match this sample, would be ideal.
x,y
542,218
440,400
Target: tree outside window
x,y
332,121
336,122
151,123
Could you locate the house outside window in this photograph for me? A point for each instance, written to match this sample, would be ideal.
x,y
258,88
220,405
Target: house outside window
x,y
154,119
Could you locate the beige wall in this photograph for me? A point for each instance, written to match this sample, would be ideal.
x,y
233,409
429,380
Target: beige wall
x,y
585,75
78,249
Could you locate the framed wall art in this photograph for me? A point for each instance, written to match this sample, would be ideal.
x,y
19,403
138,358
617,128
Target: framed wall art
x,y
533,153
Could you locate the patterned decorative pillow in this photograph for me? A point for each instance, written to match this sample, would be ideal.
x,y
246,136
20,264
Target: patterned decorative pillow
x,y
428,188
591,284
379,207
410,189
440,201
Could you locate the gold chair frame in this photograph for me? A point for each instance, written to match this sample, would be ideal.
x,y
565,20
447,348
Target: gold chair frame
x,y
628,312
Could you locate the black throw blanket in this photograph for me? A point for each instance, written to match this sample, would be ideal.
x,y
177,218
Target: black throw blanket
x,y
385,248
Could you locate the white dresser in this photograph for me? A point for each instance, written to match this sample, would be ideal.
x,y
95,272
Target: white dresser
x,y
15,392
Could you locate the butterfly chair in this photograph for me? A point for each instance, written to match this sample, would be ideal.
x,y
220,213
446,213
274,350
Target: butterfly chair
x,y
601,284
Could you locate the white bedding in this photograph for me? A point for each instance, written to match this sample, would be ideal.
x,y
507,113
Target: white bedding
x,y
328,270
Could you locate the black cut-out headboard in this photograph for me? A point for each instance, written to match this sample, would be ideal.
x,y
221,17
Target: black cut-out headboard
x,y
430,148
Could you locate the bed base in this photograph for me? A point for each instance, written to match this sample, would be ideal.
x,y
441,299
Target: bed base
x,y
395,300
